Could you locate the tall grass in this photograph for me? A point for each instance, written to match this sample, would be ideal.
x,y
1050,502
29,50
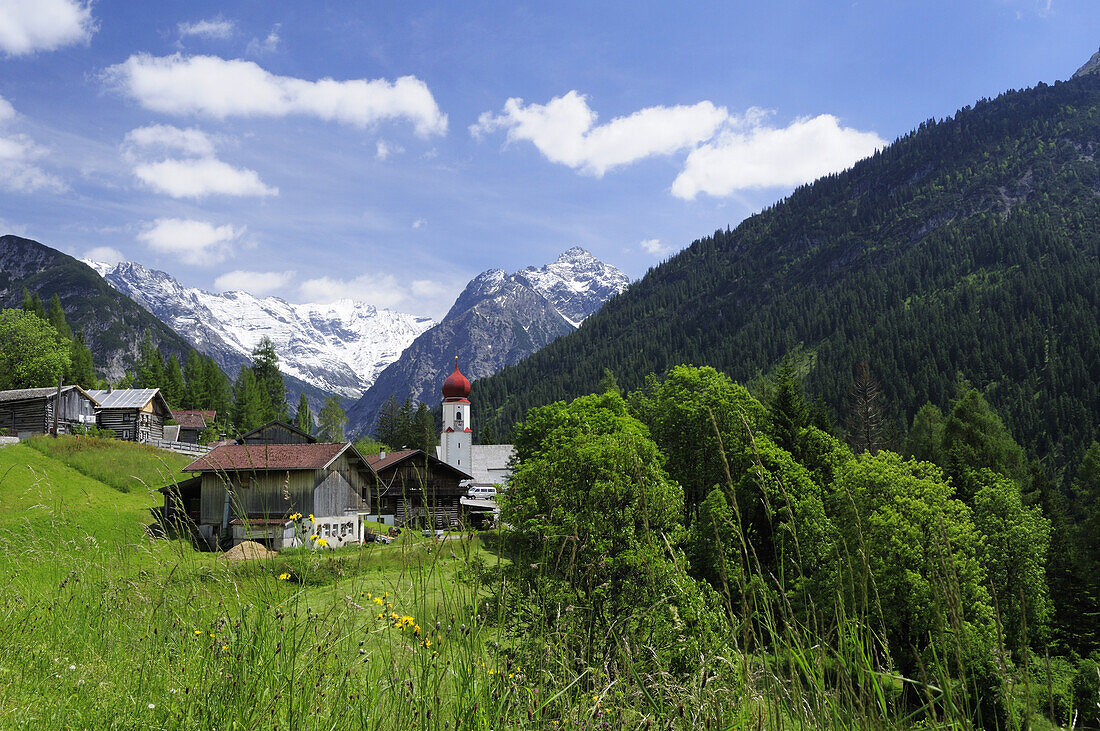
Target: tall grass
x,y
101,627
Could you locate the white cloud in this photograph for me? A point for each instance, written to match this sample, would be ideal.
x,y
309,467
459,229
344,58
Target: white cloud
x,y
419,223
219,88
654,247
270,44
166,137
421,296
104,254
257,283
193,242
27,26
215,28
385,149
201,177
752,155
18,171
564,130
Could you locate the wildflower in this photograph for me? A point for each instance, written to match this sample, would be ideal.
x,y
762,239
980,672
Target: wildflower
x,y
225,647
378,600
322,543
198,631
152,706
314,537
311,520
284,577
72,667
296,516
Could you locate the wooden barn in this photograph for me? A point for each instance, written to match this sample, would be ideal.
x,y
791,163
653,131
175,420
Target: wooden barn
x,y
28,411
133,414
249,490
416,488
192,424
277,432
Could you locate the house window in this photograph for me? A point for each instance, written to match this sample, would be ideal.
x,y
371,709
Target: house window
x,y
127,417
125,433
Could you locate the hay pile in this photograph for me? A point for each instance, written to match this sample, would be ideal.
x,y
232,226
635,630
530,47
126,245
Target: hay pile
x,y
246,551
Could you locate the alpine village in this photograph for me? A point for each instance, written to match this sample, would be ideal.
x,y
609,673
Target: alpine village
x,y
834,466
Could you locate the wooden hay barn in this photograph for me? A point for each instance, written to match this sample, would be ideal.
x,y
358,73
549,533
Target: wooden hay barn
x,y
29,411
133,414
417,488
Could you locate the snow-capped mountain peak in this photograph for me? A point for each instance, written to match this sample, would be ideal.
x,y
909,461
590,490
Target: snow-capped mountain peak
x,y
339,347
577,283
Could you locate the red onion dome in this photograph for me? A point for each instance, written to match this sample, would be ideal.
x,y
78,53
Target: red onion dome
x,y
456,385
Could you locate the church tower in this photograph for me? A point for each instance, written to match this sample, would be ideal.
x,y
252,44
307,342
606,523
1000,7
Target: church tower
x,y
457,434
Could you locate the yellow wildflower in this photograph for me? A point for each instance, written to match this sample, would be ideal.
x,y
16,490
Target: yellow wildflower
x,y
314,537
311,520
198,631
378,600
322,543
284,577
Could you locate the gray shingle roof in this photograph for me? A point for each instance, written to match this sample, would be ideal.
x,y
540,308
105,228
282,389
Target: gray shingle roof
x,y
28,393
124,398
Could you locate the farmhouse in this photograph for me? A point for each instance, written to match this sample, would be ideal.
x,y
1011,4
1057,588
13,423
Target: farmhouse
x,y
133,414
411,486
248,490
28,411
192,424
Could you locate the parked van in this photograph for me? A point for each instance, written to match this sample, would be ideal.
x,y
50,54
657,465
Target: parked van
x,y
482,493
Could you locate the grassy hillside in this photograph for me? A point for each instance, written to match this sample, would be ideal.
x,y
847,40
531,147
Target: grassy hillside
x,y
969,247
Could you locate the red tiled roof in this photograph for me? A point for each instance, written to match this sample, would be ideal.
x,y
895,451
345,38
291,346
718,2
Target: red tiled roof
x,y
233,457
194,419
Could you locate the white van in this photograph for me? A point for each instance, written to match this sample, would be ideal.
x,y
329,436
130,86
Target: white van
x,y
482,493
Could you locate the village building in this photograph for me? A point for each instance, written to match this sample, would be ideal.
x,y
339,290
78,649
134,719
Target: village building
x,y
28,411
413,487
276,432
133,414
247,492
192,423
489,465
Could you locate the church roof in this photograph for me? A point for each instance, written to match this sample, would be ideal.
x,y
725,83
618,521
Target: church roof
x,y
457,386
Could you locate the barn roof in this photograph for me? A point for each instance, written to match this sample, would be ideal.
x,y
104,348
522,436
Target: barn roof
x,y
20,394
126,398
379,463
279,424
193,419
237,457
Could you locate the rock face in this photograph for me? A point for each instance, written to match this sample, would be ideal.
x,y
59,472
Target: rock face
x,y
1091,66
113,325
336,348
498,320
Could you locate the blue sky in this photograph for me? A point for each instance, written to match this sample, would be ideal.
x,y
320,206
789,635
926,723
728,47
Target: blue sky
x,y
390,152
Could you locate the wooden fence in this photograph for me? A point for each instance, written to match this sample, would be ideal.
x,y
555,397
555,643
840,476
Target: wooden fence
x,y
180,447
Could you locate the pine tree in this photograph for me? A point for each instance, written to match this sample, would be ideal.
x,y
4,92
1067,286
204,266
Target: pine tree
x,y
218,396
865,417
386,430
248,401
150,370
56,317
303,419
425,432
82,369
194,375
31,303
174,388
486,435
331,420
265,367
789,412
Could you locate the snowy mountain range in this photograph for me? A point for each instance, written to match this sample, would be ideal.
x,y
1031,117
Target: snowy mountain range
x,y
339,347
498,319
363,352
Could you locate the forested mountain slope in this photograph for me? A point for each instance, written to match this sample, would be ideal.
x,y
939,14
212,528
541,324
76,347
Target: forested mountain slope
x,y
970,246
113,324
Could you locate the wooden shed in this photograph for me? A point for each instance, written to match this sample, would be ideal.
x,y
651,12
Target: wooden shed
x,y
133,414
192,424
417,488
248,490
28,411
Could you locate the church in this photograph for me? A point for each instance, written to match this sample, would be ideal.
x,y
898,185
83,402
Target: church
x,y
487,463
